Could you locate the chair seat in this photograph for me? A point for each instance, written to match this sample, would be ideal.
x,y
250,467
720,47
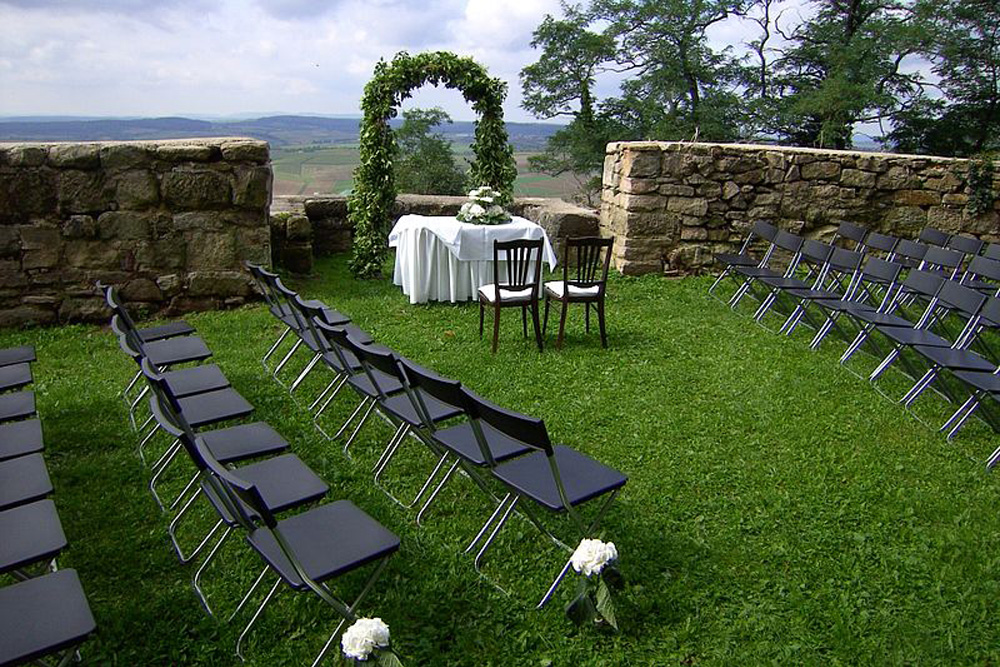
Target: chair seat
x,y
30,534
15,376
781,282
387,383
328,540
179,350
908,336
20,438
213,407
333,361
557,288
162,331
18,405
757,271
17,355
982,380
330,315
43,615
461,440
401,406
964,360
583,477
23,480
810,294
872,316
243,441
195,380
523,295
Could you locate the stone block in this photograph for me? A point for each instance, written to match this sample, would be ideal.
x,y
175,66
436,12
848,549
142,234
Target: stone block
x,y
161,255
694,234
898,177
207,251
641,163
752,177
246,150
730,190
945,219
80,227
298,229
252,186
906,221
639,186
83,310
88,254
186,304
82,191
297,258
218,284
78,156
688,206
30,192
855,178
181,152
329,207
10,243
27,315
917,198
200,189
141,289
825,170
642,202
956,199
125,155
21,155
125,225
136,190
674,190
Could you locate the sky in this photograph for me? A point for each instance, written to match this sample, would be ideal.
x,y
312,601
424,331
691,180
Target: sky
x,y
209,58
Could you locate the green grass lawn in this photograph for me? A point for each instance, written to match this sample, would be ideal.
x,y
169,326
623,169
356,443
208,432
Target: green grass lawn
x,y
778,509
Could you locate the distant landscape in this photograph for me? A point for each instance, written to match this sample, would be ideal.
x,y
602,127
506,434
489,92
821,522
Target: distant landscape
x,y
310,154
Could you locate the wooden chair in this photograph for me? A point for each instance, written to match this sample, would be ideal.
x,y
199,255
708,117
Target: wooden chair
x,y
522,268
592,259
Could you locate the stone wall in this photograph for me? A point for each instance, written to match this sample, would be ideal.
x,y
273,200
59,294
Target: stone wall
x,y
332,232
670,205
169,222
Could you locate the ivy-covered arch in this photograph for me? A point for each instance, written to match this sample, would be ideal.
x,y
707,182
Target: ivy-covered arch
x,y
371,202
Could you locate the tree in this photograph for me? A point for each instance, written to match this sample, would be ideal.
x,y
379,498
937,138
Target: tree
x,y
426,164
962,41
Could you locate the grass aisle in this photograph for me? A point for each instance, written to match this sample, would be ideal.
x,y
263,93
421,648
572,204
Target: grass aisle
x,y
779,510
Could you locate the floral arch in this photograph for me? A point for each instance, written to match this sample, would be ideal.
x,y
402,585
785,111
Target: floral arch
x,y
371,202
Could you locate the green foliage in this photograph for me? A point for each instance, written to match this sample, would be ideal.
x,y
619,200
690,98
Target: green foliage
x,y
981,193
426,163
374,192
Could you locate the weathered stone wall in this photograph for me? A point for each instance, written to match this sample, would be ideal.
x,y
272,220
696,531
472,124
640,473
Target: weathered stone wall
x,y
168,221
332,232
670,205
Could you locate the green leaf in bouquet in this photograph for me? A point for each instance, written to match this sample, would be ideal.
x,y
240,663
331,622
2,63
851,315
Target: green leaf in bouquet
x,y
605,605
388,658
581,610
613,577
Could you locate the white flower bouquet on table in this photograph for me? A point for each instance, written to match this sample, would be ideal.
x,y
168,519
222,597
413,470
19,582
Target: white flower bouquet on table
x,y
594,561
483,208
368,638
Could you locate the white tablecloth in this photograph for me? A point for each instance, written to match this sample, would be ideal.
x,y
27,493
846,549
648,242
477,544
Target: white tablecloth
x,y
439,258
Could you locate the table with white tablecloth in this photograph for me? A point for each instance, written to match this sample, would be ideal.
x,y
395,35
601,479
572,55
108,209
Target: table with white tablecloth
x,y
439,258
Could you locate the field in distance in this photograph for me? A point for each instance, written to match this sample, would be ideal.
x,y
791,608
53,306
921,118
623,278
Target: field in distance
x,y
327,169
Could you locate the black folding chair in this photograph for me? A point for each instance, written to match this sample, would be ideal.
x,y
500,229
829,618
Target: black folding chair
x,y
814,258
44,616
307,551
31,536
933,236
517,273
20,438
591,258
839,283
786,246
17,355
469,445
850,236
880,245
983,274
23,480
760,232
873,294
555,479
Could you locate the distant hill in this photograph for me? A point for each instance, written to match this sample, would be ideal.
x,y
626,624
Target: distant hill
x,y
278,130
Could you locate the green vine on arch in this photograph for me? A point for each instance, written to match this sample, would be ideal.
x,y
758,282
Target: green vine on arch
x,y
370,205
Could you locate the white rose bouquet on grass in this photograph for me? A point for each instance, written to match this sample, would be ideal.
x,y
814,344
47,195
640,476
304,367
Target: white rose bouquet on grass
x,y
594,561
368,638
483,208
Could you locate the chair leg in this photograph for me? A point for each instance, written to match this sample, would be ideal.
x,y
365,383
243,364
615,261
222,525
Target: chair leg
x,y
545,319
586,316
562,324
600,323
538,329
481,309
253,620
524,320
496,326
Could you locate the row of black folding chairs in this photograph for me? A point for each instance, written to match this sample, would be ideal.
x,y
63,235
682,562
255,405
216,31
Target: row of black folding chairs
x,y
247,477
45,614
942,341
498,449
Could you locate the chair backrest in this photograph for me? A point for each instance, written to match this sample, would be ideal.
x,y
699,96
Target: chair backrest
x,y
522,264
529,430
592,256
989,314
922,282
881,242
881,270
961,298
933,236
236,493
943,259
992,251
119,325
118,307
851,232
816,252
309,315
983,267
334,338
288,297
384,360
420,381
965,244
910,250
846,260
